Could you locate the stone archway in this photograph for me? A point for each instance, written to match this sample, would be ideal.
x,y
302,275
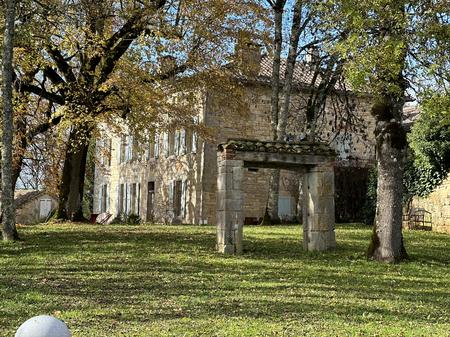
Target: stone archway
x,y
315,160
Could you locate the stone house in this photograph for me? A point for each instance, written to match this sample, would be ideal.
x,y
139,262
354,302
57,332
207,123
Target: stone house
x,y
173,178
33,206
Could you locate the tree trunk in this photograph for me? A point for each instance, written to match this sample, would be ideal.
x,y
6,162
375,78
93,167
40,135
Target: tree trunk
x,y
272,204
9,232
387,240
71,189
289,72
274,192
277,44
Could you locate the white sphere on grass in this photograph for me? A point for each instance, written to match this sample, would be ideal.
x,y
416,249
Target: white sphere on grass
x,y
43,326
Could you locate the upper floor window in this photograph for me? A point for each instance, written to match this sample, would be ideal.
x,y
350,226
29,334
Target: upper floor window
x,y
104,151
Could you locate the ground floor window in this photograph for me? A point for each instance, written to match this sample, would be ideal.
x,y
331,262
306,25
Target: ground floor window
x,y
150,200
103,199
177,197
121,199
135,198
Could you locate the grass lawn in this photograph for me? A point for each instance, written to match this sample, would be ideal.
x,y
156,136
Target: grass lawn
x,y
153,280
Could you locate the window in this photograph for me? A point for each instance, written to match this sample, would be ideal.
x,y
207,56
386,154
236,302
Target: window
x,y
135,198
129,148
166,144
183,141
133,191
156,145
177,196
103,201
127,199
177,143
104,151
134,148
194,142
121,198
180,142
150,153
194,136
122,149
150,200
138,201
109,151
171,143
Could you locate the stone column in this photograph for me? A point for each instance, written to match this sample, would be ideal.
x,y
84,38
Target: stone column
x,y
318,209
230,201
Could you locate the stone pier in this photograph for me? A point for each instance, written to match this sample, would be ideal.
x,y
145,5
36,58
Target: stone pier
x,y
318,209
230,199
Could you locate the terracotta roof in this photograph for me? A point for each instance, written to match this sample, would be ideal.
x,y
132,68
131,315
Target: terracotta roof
x,y
277,147
303,74
24,198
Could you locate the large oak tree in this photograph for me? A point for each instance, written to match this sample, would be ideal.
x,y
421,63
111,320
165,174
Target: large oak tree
x,y
109,61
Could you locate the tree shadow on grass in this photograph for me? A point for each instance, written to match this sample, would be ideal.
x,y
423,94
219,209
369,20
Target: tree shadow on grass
x,y
160,274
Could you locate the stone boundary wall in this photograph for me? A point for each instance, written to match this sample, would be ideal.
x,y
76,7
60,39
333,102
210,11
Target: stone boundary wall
x,y
438,203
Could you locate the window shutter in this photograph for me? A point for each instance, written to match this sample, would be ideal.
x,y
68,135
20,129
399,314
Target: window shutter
x,y
166,144
109,154
119,150
171,187
188,135
183,198
183,141
176,145
129,148
118,199
138,199
147,149
99,204
156,145
127,198
107,197
194,142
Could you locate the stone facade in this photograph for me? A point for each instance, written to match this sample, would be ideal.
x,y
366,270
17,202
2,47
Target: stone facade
x,y
181,181
438,203
33,207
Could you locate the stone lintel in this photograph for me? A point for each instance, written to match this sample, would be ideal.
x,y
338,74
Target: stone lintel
x,y
282,160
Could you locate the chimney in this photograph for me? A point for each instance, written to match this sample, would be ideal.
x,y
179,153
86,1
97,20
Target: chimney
x,y
312,56
167,65
248,55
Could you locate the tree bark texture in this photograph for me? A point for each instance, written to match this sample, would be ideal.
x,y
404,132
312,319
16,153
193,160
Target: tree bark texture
x,y
289,72
272,205
387,240
71,188
9,232
277,45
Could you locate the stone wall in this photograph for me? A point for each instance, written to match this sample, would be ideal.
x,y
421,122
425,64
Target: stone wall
x,y
438,203
29,212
